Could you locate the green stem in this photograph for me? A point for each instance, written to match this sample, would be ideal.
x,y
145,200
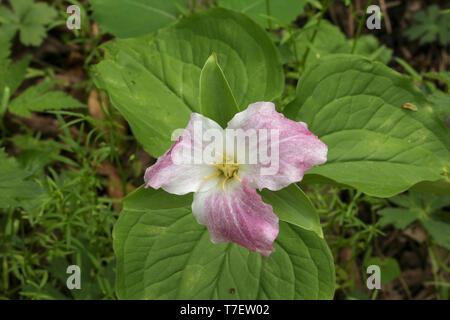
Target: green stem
x,y
434,266
322,12
269,21
194,5
360,24
405,287
293,45
115,155
3,107
374,295
439,259
121,173
5,100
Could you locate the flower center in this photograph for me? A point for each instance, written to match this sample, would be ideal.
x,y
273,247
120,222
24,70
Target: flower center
x,y
227,171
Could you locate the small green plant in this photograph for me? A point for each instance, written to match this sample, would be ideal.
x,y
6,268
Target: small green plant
x,y
433,25
51,219
422,207
36,98
29,19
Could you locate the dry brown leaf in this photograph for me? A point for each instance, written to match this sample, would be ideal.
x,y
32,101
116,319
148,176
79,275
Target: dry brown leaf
x,y
95,107
416,233
115,183
94,29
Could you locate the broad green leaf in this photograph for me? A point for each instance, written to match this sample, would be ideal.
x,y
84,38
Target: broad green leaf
x,y
151,199
279,12
133,18
330,40
374,144
440,102
375,163
154,80
29,19
369,47
165,254
216,99
292,205
39,98
439,187
423,201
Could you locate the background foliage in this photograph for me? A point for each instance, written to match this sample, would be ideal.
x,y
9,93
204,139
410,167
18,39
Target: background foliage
x,y
71,152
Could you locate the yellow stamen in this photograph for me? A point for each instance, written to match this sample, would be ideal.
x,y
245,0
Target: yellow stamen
x,y
223,184
228,170
224,158
218,173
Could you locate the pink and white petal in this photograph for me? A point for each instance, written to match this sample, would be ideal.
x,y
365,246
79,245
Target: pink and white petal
x,y
294,152
239,215
181,169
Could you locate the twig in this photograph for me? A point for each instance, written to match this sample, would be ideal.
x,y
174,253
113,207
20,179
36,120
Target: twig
x,y
386,16
393,4
351,21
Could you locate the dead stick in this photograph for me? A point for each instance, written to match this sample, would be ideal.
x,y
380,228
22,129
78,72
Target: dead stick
x,y
386,16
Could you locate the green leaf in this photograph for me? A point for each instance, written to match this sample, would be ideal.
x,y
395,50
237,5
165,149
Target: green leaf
x,y
15,185
281,12
441,186
39,98
369,47
399,218
443,76
12,74
423,207
438,225
151,199
154,80
330,40
36,153
389,268
292,205
375,145
216,99
165,254
432,25
133,18
440,102
29,19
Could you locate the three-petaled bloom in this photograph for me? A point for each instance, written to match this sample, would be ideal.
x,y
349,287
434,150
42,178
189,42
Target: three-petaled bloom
x,y
225,198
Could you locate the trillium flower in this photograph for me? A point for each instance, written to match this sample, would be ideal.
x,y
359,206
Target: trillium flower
x,y
225,197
